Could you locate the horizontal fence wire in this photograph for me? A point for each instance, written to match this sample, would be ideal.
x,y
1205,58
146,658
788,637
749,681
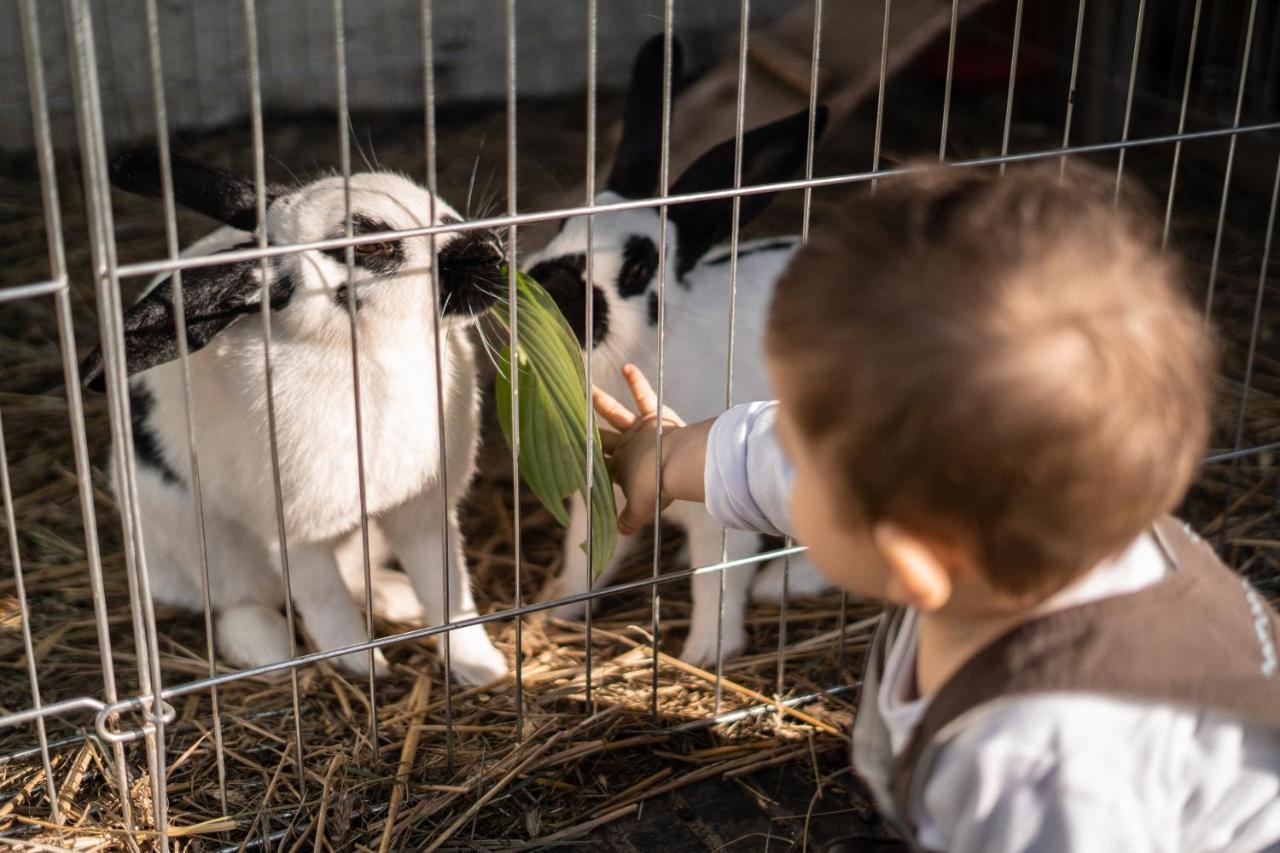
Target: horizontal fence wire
x,y
34,290
149,268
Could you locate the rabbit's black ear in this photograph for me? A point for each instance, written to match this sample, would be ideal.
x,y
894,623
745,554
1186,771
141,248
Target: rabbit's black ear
x,y
635,168
228,198
212,299
770,153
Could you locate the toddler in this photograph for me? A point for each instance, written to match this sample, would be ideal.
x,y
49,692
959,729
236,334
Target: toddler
x,y
991,392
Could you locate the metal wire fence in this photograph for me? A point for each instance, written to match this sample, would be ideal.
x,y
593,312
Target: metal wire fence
x,y
122,717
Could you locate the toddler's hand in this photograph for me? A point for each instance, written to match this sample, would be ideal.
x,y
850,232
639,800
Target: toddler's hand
x,y
631,450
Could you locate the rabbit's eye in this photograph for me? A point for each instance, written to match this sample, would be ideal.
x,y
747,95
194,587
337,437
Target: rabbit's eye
x,y
384,256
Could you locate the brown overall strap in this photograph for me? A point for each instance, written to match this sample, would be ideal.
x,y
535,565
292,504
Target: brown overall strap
x,y
1201,637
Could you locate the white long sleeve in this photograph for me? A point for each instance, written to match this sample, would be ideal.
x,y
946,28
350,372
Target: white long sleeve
x,y
1077,772
747,477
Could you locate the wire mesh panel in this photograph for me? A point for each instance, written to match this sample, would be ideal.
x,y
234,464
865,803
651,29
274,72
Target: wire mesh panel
x,y
435,683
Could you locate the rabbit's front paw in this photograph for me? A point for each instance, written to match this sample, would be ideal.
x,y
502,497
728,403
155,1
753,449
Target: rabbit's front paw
x,y
253,635
357,663
802,580
473,660
394,598
700,647
574,611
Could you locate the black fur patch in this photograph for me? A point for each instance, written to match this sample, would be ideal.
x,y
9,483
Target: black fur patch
x,y
639,263
653,308
635,167
564,278
769,153
146,448
212,299
471,273
340,298
207,189
282,290
772,246
379,258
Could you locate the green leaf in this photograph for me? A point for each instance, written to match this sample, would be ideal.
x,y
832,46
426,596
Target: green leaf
x,y
553,415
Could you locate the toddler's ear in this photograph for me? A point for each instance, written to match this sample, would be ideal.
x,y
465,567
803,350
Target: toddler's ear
x,y
918,575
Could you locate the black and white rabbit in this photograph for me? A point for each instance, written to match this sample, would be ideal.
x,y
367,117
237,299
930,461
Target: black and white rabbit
x,y
625,316
315,412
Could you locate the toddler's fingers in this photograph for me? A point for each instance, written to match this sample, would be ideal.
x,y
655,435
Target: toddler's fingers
x,y
671,419
629,520
617,415
646,399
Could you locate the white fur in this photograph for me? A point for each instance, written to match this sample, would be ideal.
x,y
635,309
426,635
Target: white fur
x,y
316,438
696,324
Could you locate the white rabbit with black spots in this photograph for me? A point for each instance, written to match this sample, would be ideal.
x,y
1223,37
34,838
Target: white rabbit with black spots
x,y
313,396
624,287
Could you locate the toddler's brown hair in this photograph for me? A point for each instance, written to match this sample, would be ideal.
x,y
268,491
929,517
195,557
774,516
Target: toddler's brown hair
x,y
1012,358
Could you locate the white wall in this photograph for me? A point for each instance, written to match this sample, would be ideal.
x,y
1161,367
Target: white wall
x,y
204,54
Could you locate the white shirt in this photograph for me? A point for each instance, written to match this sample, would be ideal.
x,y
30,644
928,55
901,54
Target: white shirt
x,y
1066,771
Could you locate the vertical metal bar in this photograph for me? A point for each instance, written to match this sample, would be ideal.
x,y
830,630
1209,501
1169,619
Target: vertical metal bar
x,y
260,191
344,159
515,374
782,628
813,118
1128,101
36,90
107,285
875,184
841,623
194,43
664,176
429,104
71,373
24,612
744,23
1231,159
1274,521
1071,87
593,45
1013,77
946,93
1182,124
804,235
1253,347
180,327
884,68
